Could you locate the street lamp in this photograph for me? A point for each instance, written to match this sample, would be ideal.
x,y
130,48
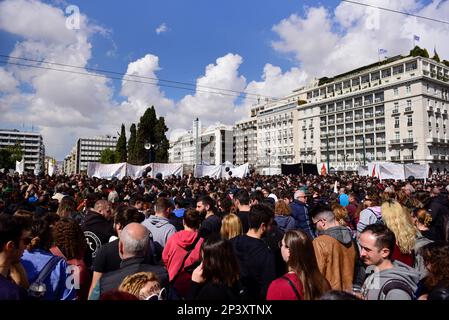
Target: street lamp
x,y
151,147
268,154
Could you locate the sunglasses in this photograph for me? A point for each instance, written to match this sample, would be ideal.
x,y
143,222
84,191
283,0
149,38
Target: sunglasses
x,y
162,295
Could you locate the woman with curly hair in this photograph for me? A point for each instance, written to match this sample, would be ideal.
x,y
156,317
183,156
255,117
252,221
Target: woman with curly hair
x,y
144,285
422,219
398,220
70,244
436,260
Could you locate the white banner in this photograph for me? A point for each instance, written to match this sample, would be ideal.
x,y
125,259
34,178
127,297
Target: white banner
x,y
363,171
106,171
51,168
20,166
419,171
211,171
240,171
167,169
392,171
137,171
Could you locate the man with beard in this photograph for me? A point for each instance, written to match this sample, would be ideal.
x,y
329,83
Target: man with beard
x,y
211,223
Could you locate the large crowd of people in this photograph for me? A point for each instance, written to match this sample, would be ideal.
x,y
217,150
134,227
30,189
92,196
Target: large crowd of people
x,y
296,237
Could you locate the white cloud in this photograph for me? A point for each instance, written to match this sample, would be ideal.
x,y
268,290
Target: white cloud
x,y
206,104
8,83
326,43
162,28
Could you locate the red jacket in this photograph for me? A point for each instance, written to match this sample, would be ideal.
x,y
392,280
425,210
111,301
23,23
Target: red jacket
x,y
280,289
174,251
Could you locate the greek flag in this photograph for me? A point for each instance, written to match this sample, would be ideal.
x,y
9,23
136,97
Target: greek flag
x,y
416,38
382,51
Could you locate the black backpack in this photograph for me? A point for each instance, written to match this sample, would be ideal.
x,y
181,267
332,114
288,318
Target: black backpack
x,y
396,284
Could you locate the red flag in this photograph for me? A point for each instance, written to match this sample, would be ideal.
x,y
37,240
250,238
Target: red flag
x,y
374,171
323,170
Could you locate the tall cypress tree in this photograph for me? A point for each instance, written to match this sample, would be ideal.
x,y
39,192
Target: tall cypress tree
x,y
163,144
121,146
145,134
132,144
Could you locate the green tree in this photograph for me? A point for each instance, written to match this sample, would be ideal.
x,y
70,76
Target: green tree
x,y
16,151
145,134
121,151
132,144
108,156
6,161
436,57
161,139
418,52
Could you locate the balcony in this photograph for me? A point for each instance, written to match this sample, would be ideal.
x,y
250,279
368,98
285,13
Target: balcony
x,y
395,141
358,130
395,112
339,120
442,157
358,116
349,131
367,102
432,157
395,158
369,129
368,115
368,143
340,145
408,157
331,133
349,119
430,108
380,142
323,134
432,140
378,100
322,111
349,144
438,111
331,121
380,128
322,123
380,114
381,158
408,140
359,143
340,132
408,110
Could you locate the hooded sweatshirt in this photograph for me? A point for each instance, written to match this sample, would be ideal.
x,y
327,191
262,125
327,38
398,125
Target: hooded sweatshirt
x,y
175,251
256,263
285,223
336,254
160,228
368,216
400,271
97,231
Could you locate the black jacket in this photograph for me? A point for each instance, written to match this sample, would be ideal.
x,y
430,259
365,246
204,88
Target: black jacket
x,y
113,279
212,291
97,231
257,268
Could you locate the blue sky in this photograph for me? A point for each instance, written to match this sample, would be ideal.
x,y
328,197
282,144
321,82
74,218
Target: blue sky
x,y
266,47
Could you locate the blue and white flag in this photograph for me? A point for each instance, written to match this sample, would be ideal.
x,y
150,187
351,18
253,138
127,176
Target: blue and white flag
x,y
416,38
382,51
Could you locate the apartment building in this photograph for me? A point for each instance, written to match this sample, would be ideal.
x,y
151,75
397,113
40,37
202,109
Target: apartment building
x,y
395,110
31,143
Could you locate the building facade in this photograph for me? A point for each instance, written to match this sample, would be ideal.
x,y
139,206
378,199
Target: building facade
x,y
31,143
245,142
212,146
87,150
395,110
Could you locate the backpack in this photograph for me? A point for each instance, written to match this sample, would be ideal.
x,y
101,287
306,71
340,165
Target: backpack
x,y
38,288
396,284
378,216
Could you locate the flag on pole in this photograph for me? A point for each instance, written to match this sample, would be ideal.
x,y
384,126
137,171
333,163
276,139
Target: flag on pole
x,y
382,51
416,38
323,170
373,174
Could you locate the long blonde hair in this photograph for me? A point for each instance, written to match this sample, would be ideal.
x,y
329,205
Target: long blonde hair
x,y
231,226
400,222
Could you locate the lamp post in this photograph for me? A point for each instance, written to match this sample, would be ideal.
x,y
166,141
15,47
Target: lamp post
x,y
151,147
268,154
